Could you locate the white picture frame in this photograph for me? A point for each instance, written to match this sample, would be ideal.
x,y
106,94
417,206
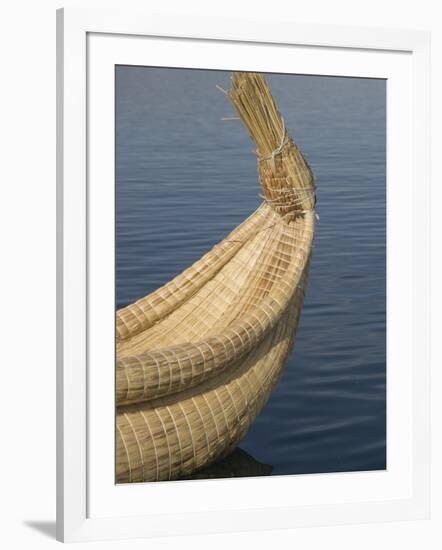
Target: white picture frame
x,y
89,505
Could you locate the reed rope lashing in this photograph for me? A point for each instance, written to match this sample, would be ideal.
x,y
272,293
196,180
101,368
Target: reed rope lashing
x,y
278,150
300,194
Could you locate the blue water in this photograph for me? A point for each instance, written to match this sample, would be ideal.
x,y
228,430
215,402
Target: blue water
x,y
185,178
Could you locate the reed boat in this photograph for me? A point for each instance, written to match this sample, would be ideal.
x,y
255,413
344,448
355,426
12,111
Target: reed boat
x,y
198,358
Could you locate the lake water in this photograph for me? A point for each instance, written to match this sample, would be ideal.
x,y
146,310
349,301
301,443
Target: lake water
x,y
185,178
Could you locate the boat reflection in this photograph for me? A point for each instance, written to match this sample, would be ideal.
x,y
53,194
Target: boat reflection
x,y
237,464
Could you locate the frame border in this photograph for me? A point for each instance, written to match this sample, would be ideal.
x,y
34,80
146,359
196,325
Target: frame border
x,y
73,25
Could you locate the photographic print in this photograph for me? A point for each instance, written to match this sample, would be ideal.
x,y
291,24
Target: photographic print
x,y
250,274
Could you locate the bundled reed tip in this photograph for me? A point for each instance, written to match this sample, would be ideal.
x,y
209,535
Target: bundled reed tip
x,y
285,176
250,96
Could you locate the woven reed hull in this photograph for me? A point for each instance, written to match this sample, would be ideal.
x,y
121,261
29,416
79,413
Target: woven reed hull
x,y
224,320
174,436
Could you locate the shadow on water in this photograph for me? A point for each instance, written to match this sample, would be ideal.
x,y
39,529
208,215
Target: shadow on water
x,y
237,464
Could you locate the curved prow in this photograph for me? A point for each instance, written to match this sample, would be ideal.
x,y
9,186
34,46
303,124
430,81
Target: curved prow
x,y
198,358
